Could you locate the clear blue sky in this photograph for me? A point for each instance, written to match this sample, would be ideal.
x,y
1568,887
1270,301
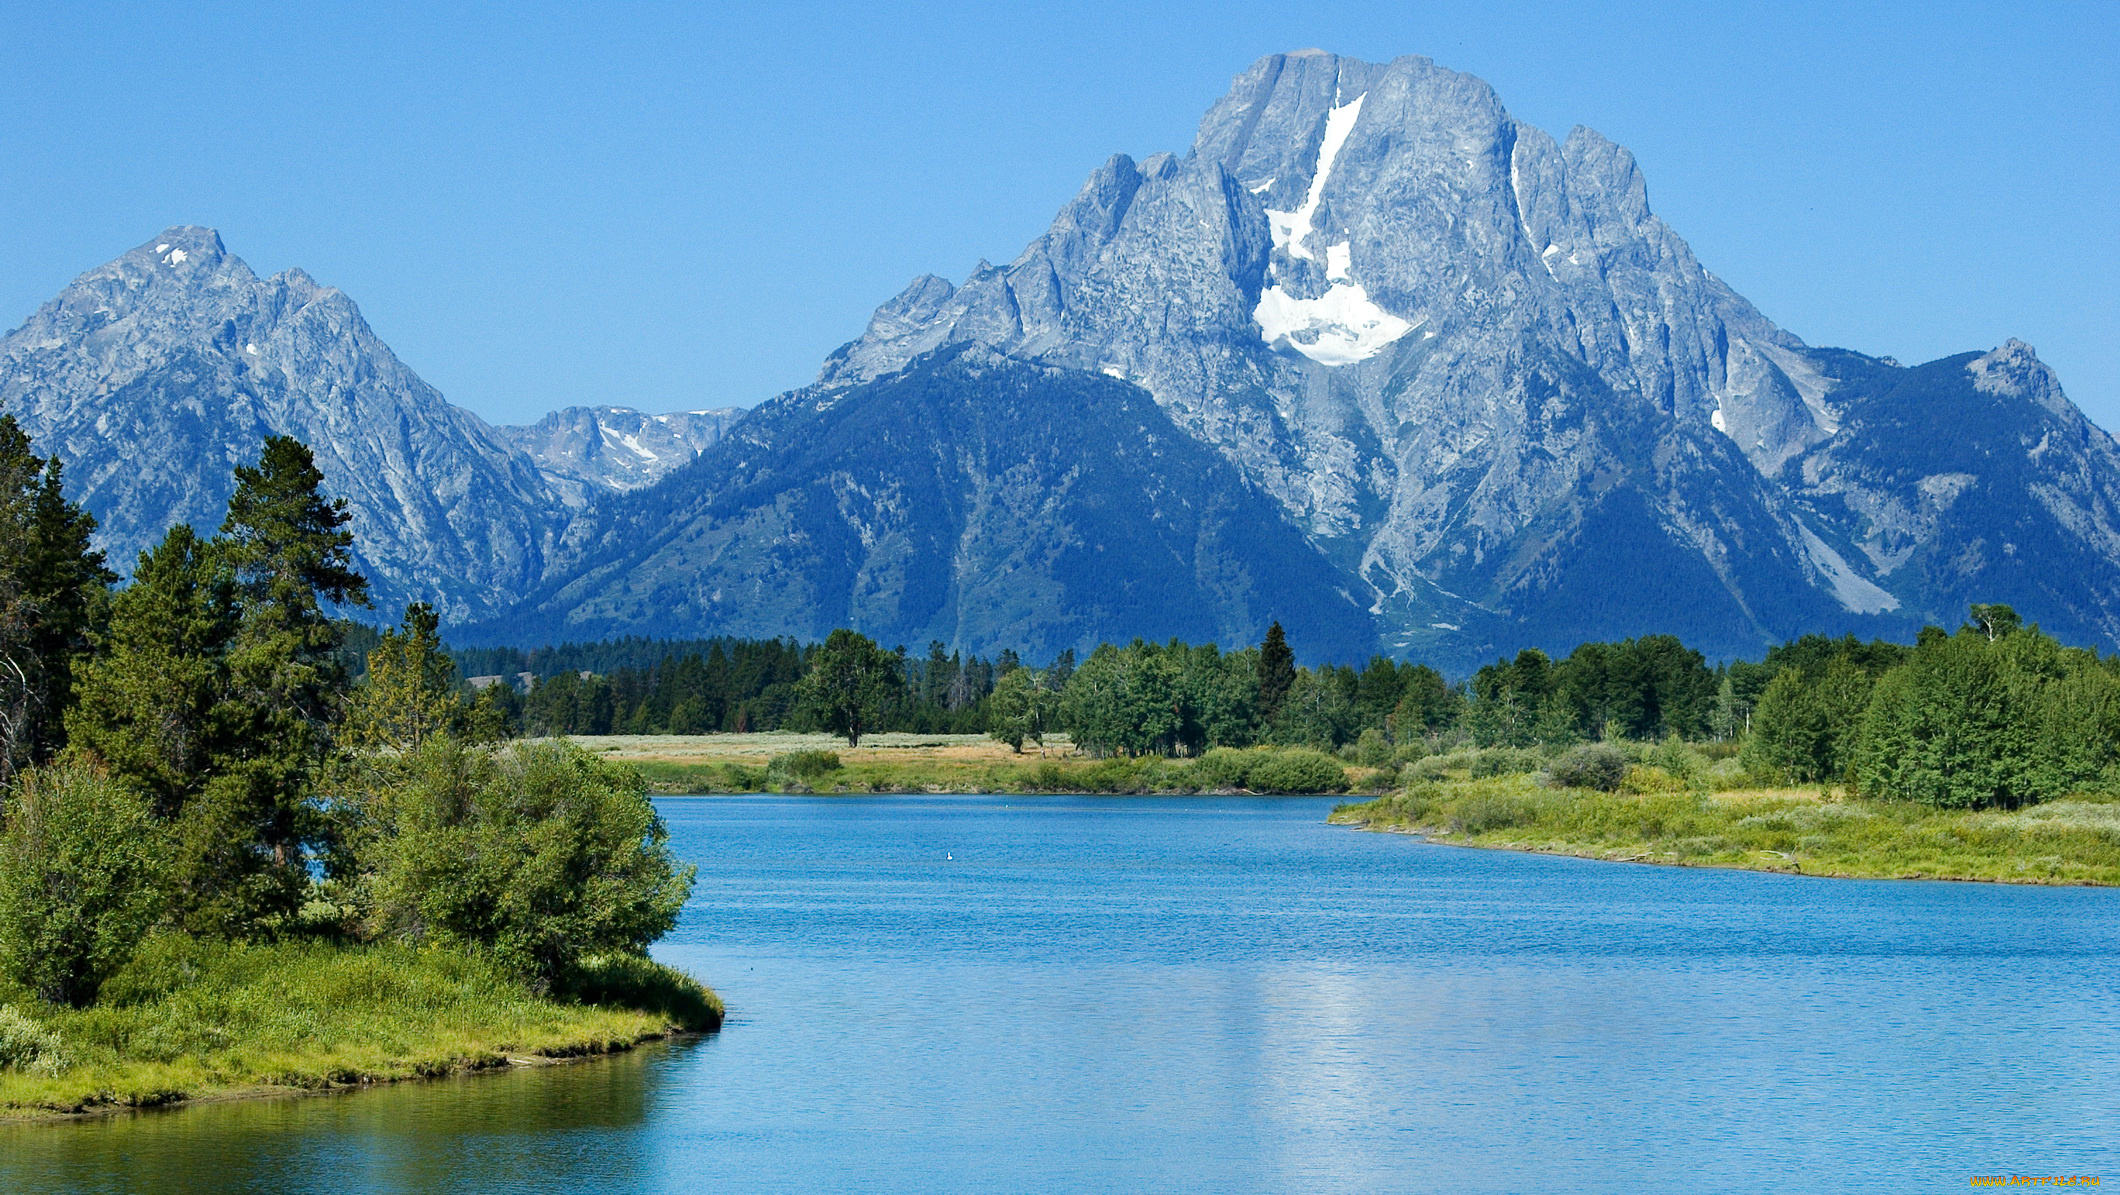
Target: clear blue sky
x,y
690,205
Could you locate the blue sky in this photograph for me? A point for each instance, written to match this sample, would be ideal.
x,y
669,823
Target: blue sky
x,y
689,205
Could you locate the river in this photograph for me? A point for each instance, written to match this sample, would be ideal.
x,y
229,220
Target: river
x,y
1213,994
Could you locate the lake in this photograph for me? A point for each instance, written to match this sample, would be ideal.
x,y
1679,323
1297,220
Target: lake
x,y
1213,994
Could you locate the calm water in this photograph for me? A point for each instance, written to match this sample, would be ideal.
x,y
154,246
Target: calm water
x,y
1099,994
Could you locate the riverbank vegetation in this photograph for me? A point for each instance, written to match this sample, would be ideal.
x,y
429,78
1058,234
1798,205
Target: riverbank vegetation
x,y
223,865
1990,752
2070,841
904,763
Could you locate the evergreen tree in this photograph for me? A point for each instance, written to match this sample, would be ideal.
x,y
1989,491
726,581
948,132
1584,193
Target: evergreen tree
x,y
409,694
1277,671
52,587
152,702
290,554
1427,704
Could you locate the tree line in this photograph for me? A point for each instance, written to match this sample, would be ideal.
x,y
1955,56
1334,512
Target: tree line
x,y
190,754
1994,714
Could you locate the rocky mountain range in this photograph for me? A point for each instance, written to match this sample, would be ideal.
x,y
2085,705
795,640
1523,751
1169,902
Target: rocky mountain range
x,y
1372,357
154,375
584,453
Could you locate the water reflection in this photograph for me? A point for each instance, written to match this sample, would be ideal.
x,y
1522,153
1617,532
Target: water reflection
x,y
509,1131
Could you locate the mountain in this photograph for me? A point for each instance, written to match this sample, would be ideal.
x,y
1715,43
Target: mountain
x,y
970,497
586,452
1488,384
1372,358
151,377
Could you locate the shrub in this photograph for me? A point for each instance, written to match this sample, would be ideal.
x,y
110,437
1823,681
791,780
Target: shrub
x,y
1594,765
1372,750
1478,813
1645,778
541,853
802,766
1297,770
27,1046
79,883
1505,761
1224,767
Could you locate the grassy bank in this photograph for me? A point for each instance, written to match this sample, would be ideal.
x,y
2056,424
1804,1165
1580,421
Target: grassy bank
x,y
188,1019
2074,841
906,763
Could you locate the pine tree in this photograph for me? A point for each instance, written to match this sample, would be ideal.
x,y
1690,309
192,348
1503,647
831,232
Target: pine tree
x,y
409,695
52,589
1277,671
150,703
289,554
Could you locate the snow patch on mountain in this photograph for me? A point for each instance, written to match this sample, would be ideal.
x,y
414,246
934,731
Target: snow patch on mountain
x,y
1344,325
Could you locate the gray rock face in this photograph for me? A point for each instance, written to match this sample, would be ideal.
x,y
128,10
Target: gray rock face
x,y
972,498
586,452
1465,357
153,376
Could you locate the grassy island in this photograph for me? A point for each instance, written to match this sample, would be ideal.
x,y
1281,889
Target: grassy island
x,y
190,1019
2069,841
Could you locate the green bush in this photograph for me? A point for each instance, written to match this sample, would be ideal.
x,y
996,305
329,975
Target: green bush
x,y
802,766
1224,767
1372,750
79,881
1505,761
1599,766
1480,812
541,853
1642,779
1297,770
27,1046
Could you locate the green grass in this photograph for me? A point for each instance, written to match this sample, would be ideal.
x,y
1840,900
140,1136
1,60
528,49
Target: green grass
x,y
190,1019
2075,841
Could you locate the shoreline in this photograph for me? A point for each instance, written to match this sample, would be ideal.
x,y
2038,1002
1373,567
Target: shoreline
x,y
190,1020
2073,842
592,1051
1430,836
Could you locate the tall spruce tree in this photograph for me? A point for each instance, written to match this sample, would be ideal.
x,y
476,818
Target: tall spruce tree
x,y
52,587
289,554
1277,671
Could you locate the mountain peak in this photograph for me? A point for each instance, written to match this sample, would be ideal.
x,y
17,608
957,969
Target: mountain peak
x,y
182,248
2014,370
